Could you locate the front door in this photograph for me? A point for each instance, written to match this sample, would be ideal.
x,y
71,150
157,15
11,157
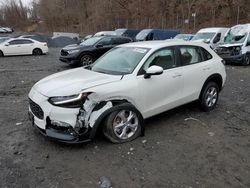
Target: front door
x,y
160,92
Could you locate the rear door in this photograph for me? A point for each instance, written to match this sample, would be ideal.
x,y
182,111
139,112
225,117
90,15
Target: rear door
x,y
28,46
196,69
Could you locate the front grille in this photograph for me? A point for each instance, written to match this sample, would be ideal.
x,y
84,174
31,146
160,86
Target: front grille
x,y
36,109
64,53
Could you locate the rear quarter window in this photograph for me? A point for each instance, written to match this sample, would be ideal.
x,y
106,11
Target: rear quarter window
x,y
206,54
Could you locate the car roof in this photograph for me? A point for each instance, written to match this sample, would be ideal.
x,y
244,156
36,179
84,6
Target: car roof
x,y
164,43
212,29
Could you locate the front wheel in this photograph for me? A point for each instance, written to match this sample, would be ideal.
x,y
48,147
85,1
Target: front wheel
x,y
123,125
246,60
209,96
86,60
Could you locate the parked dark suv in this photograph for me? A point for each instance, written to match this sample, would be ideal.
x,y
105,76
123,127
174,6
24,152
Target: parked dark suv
x,y
90,50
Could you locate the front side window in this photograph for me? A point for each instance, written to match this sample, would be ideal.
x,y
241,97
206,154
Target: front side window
x,y
217,38
204,36
190,55
91,41
164,58
106,42
120,60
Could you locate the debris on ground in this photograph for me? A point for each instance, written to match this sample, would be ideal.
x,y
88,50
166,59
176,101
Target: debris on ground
x,y
105,182
19,123
144,141
211,133
194,119
17,153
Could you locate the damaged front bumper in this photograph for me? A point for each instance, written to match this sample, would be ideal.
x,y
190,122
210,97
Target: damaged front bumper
x,y
61,134
230,54
68,125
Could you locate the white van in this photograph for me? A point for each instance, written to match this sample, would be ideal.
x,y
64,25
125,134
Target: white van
x,y
212,36
236,47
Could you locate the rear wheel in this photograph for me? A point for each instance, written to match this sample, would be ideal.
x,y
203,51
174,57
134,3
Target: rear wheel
x,y
1,54
123,125
209,96
37,51
246,60
86,60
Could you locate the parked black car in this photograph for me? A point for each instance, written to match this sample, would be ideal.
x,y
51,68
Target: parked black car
x,y
91,49
127,32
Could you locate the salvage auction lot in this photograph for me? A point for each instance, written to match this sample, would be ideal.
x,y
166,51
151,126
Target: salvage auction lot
x,y
183,147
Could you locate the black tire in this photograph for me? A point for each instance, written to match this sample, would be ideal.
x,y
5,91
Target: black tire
x,y
37,51
208,99
1,54
246,60
86,59
112,135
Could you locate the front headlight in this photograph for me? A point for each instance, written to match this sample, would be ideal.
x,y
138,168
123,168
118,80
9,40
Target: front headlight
x,y
73,51
72,101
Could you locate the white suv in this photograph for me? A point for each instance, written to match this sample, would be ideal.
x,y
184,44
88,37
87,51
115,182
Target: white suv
x,y
126,85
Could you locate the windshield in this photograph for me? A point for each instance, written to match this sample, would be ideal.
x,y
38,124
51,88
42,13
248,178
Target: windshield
x,y
235,39
91,41
120,32
203,36
143,34
3,39
120,60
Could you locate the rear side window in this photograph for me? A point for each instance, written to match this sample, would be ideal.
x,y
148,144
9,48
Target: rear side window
x,y
118,41
206,54
190,55
27,42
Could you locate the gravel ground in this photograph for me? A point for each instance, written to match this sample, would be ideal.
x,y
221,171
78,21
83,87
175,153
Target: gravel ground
x,y
183,147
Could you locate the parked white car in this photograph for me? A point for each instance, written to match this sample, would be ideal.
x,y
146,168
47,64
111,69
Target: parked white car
x,y
22,46
126,85
212,36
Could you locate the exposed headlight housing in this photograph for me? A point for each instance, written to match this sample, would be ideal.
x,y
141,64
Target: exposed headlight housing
x,y
73,51
72,101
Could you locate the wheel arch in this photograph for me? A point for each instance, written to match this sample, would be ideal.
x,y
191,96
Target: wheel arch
x,y
1,52
117,104
217,78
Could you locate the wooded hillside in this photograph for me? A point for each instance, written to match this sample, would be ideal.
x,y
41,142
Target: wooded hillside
x,y
89,16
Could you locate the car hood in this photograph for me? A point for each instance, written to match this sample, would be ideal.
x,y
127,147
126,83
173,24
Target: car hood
x,y
230,45
72,82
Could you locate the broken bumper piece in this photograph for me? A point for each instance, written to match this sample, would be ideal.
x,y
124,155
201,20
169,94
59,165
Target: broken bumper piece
x,y
62,134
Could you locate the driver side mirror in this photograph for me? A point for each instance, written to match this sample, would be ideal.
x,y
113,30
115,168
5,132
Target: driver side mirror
x,y
99,46
7,44
207,41
153,70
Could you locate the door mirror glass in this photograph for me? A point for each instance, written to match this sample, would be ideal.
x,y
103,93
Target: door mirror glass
x,y
153,70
